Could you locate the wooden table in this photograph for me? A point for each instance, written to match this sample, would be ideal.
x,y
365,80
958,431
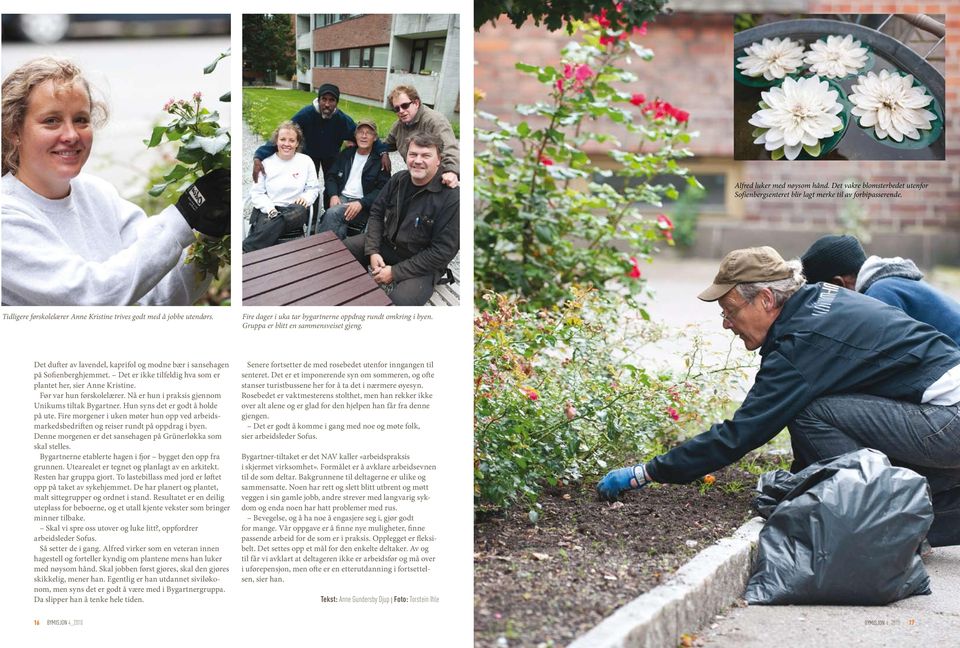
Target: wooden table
x,y
313,271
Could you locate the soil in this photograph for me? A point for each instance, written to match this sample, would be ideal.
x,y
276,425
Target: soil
x,y
544,585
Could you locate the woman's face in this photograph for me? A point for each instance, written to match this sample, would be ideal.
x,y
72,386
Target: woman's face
x,y
55,139
287,143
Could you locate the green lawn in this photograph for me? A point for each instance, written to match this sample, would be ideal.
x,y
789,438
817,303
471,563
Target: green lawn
x,y
264,108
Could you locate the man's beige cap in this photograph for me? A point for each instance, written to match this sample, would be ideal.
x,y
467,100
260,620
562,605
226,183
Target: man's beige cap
x,y
369,123
746,266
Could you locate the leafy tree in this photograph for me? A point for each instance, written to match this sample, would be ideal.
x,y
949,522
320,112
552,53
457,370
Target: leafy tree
x,y
560,13
269,43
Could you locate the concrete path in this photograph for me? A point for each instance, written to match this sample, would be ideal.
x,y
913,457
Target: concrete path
x,y
917,621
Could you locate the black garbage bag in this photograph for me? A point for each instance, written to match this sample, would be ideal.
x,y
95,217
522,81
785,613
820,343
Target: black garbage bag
x,y
842,531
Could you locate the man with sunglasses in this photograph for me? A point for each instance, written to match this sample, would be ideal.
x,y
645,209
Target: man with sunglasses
x,y
841,370
414,118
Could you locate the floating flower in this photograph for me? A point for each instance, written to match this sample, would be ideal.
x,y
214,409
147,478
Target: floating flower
x,y
771,59
634,272
892,105
837,57
796,115
672,413
637,99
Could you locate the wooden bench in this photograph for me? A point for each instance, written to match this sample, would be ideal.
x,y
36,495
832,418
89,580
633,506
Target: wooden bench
x,y
313,271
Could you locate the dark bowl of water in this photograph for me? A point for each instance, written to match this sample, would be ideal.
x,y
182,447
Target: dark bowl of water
x,y
857,143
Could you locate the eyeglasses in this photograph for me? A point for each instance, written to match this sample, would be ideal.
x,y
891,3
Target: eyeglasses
x,y
402,106
727,317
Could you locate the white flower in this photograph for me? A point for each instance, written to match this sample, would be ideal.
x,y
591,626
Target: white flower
x,y
772,59
836,58
795,116
892,105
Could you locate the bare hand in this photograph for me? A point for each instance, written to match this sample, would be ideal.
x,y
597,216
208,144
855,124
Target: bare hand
x,y
352,210
450,179
384,275
385,163
257,169
376,262
301,201
334,201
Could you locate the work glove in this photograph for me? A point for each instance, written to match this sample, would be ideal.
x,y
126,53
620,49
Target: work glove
x,y
206,204
622,479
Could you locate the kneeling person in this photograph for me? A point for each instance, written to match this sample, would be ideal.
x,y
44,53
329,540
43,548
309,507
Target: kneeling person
x,y
353,183
282,196
414,228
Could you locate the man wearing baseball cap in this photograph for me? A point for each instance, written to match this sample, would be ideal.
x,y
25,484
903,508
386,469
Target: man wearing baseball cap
x,y
325,128
841,370
353,183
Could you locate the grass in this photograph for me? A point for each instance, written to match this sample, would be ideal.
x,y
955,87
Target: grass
x,y
264,108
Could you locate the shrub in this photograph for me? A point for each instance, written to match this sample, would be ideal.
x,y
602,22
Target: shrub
x,y
549,217
560,396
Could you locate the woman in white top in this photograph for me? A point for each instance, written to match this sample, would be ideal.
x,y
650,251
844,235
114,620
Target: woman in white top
x,y
285,190
69,238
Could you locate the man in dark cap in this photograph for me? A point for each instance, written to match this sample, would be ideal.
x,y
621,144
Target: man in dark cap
x,y
842,371
325,128
841,260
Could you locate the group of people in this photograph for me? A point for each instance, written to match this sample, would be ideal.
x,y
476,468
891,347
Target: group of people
x,y
68,237
404,226
856,352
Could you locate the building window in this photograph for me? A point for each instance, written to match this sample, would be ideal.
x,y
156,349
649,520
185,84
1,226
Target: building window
x,y
355,57
327,59
380,56
427,54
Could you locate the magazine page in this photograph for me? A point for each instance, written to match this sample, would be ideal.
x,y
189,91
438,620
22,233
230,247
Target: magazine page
x,y
221,431
668,201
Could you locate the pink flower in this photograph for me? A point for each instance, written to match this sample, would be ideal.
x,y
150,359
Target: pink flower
x,y
569,411
608,40
680,115
618,6
673,414
559,85
641,30
545,161
664,223
531,393
583,72
634,272
637,99
602,18
567,70
197,96
170,102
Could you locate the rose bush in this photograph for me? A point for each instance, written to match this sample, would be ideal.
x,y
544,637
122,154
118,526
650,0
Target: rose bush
x,y
548,216
562,394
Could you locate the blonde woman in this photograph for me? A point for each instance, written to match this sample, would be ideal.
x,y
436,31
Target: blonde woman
x,y
68,237
283,194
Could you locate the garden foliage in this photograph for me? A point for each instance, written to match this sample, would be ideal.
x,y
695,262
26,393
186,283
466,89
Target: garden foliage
x,y
548,215
202,145
563,394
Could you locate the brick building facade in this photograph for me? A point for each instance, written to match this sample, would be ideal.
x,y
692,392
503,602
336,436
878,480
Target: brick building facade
x,y
367,55
693,70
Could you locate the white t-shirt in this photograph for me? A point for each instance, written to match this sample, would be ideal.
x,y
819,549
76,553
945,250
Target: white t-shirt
x,y
353,189
92,248
283,181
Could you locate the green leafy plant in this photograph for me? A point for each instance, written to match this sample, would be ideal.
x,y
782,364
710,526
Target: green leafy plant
x,y
549,216
560,395
202,145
